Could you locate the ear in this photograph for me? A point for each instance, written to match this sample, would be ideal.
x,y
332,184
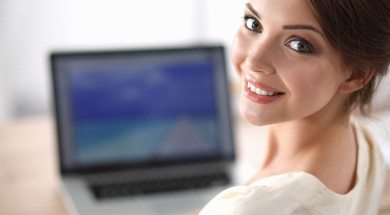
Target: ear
x,y
355,81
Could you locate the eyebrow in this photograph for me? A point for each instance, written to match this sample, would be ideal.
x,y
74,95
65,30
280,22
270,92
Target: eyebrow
x,y
250,7
302,27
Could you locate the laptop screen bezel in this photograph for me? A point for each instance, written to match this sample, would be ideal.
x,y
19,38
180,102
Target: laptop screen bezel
x,y
224,128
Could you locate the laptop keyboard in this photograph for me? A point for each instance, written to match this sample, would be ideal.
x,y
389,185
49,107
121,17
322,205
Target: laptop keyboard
x,y
152,186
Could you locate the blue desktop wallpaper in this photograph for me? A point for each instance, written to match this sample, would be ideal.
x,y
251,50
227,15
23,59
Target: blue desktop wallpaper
x,y
156,112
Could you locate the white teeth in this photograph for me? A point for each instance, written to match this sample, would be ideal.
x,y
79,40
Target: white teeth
x,y
253,88
260,92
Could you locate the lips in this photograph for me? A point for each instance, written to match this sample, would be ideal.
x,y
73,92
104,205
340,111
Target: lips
x,y
260,93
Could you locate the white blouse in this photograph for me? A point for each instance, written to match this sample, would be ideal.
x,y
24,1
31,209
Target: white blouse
x,y
302,193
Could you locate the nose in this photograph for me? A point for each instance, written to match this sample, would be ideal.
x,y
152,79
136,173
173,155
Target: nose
x,y
261,56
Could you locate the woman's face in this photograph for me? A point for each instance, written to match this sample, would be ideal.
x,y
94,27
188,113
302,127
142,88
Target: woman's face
x,y
287,67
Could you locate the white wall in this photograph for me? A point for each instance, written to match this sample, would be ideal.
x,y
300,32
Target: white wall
x,y
29,30
3,101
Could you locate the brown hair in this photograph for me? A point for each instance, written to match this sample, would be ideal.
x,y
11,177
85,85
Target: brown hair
x,y
360,30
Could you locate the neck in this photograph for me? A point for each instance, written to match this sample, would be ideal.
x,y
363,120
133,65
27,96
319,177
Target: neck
x,y
298,145
322,144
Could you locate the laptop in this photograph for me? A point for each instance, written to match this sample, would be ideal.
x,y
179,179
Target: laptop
x,y
142,131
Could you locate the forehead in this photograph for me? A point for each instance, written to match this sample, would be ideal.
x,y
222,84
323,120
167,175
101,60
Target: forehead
x,y
285,11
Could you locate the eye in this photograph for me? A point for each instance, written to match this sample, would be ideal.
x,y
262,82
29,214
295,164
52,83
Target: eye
x,y
252,24
300,45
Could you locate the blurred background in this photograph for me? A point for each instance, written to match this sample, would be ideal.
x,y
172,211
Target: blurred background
x,y
30,30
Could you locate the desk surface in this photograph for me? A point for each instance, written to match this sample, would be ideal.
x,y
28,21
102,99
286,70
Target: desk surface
x,y
28,169
28,165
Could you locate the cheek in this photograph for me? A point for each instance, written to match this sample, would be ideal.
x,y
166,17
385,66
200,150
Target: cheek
x,y
314,85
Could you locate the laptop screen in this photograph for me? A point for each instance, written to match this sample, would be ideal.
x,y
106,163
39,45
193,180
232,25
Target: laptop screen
x,y
141,108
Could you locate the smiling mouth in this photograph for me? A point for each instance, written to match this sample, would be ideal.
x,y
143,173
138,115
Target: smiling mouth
x,y
262,92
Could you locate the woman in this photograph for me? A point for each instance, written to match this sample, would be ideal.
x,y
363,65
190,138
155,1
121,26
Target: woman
x,y
304,66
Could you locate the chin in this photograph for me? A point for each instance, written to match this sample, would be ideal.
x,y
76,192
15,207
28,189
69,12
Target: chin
x,y
251,114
